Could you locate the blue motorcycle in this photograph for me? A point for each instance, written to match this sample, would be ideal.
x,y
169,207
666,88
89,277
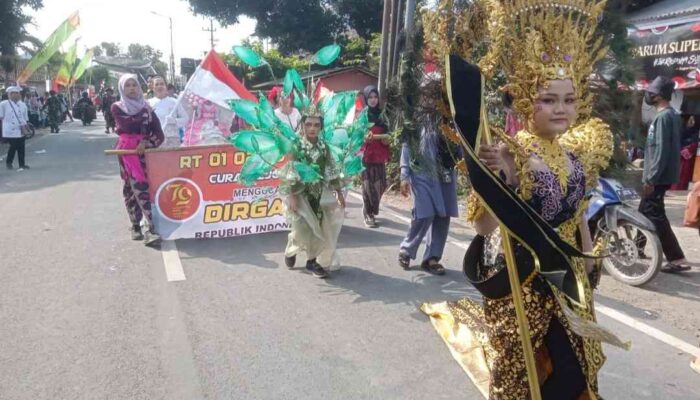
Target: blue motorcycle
x,y
629,239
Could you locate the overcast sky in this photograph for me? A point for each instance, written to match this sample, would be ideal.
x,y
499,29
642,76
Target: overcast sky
x,y
131,21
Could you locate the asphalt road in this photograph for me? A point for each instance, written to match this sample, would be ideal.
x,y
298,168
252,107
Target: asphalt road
x,y
86,313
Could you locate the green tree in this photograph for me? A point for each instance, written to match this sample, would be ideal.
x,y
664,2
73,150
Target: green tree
x,y
14,17
363,16
295,25
141,52
95,75
361,52
110,49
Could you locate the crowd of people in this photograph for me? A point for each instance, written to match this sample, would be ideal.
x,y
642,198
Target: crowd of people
x,y
539,168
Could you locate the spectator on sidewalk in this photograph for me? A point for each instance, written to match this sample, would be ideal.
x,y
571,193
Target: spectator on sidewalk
x,y
14,115
662,169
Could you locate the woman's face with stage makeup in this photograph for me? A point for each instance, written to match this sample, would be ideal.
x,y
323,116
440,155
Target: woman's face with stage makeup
x,y
312,127
555,109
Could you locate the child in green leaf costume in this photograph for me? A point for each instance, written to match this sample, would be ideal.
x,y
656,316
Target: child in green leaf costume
x,y
312,208
317,162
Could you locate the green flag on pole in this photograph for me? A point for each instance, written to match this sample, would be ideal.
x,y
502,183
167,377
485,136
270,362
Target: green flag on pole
x,y
66,71
82,67
50,46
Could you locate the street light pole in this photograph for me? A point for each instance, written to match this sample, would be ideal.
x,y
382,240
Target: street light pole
x,y
172,53
172,47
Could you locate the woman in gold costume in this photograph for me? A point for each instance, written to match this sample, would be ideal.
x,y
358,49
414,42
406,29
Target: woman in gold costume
x,y
547,51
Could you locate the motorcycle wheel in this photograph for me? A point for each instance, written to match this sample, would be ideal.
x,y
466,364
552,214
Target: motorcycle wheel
x,y
634,254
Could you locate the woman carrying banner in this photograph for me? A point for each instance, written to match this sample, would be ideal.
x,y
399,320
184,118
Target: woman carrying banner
x,y
138,128
312,207
548,166
376,153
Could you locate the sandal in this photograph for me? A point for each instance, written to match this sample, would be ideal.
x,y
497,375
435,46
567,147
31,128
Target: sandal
x,y
674,268
404,261
435,269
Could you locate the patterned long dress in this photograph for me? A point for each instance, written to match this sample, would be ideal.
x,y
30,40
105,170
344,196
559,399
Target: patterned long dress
x,y
484,338
132,128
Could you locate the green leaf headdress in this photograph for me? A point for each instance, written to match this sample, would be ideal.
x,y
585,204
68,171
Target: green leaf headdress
x,y
271,139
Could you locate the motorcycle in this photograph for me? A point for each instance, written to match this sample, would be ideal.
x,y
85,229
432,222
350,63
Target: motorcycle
x,y
630,243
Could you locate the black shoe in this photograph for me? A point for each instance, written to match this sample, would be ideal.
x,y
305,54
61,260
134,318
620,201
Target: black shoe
x,y
435,269
136,233
9,166
404,261
316,269
290,261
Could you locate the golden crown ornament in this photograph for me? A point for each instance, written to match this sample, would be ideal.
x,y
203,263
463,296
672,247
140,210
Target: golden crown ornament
x,y
536,41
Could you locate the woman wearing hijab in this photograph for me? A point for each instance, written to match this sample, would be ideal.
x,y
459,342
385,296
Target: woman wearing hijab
x,y
376,153
138,128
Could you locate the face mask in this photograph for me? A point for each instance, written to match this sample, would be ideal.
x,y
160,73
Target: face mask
x,y
649,99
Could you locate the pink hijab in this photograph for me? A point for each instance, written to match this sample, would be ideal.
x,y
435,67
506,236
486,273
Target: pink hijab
x,y
130,106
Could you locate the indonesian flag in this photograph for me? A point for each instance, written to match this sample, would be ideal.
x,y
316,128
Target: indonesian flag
x,y
213,81
321,91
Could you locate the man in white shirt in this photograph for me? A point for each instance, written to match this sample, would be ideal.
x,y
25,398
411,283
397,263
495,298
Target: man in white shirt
x,y
14,115
163,105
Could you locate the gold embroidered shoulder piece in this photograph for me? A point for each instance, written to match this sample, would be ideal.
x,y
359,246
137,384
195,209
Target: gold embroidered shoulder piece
x,y
592,143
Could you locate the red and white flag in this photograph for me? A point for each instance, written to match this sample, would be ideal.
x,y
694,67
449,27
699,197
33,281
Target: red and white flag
x,y
213,81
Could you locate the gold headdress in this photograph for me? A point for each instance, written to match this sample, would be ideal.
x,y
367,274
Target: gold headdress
x,y
532,41
548,40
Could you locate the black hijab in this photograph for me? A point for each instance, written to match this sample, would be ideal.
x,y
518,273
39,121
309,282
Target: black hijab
x,y
374,114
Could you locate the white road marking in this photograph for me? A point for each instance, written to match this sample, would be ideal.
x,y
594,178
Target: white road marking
x,y
649,330
171,260
614,314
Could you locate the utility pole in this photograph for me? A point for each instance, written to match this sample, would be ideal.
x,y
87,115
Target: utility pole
x,y
410,15
384,53
211,31
395,30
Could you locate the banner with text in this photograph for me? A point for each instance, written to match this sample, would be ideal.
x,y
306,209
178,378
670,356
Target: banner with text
x,y
196,193
672,51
